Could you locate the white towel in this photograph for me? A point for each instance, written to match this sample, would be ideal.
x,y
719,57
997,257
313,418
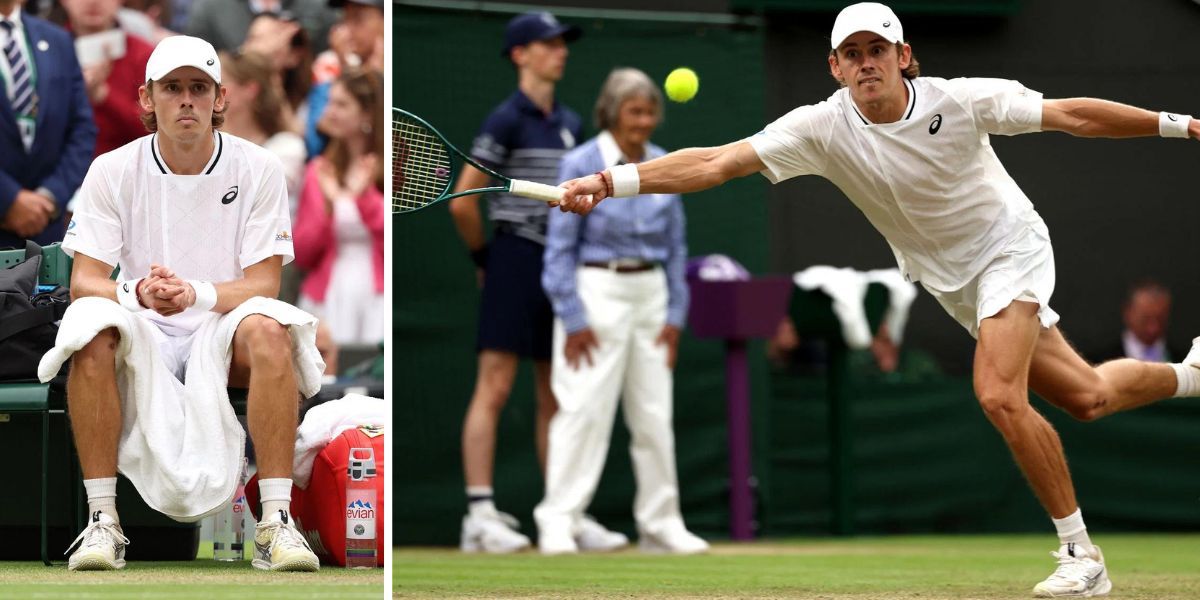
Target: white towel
x,y
901,294
181,445
325,422
847,288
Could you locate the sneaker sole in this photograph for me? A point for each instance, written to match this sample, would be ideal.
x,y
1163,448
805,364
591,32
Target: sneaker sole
x,y
294,565
95,563
1100,590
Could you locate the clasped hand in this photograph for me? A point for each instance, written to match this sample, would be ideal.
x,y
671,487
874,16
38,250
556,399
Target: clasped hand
x,y
164,293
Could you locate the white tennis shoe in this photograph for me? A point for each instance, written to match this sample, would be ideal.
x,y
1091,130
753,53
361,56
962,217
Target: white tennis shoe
x,y
1080,574
494,533
591,536
672,540
101,546
279,546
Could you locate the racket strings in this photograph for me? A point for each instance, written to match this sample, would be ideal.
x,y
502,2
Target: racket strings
x,y
422,169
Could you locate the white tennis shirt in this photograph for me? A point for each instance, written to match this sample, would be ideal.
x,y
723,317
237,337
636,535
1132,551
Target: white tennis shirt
x,y
930,182
132,211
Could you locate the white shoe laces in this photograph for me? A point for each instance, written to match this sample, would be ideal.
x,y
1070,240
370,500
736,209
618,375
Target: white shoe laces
x,y
97,535
283,535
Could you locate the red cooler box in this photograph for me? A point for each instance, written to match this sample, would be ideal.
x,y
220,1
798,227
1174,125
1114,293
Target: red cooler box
x,y
320,510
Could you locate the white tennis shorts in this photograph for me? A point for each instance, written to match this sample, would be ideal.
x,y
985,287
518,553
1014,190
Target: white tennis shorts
x,y
1023,271
173,350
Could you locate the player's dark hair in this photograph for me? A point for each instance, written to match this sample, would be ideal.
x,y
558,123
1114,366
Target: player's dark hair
x,y
366,87
912,72
150,122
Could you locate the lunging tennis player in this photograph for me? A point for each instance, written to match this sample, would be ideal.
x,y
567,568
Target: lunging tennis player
x,y
913,154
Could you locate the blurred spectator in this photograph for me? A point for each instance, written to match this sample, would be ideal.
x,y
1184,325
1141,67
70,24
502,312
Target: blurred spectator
x,y
357,41
47,134
617,280
149,20
286,46
258,112
114,66
1145,315
142,19
225,23
339,226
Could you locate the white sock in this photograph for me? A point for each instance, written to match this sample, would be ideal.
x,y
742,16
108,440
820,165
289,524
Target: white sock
x,y
1187,380
479,501
102,496
275,495
1071,530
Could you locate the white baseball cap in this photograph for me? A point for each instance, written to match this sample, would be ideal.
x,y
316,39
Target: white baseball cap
x,y
183,51
866,16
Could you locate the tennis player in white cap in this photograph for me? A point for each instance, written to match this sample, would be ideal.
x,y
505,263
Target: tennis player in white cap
x,y
912,153
197,221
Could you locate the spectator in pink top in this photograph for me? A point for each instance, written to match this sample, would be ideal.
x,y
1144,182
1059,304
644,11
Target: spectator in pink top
x,y
339,225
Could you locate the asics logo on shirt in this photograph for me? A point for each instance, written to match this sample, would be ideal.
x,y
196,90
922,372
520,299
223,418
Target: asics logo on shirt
x,y
935,124
230,196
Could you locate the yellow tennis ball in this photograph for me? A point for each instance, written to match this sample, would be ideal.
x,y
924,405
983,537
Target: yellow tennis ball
x,y
682,84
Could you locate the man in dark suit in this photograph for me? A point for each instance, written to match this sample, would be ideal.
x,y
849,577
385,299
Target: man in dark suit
x,y
46,130
1145,313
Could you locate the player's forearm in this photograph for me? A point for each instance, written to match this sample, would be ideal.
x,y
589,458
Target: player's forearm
x,y
93,287
1091,117
697,169
230,294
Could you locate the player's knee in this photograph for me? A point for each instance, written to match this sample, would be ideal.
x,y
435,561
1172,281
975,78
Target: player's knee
x,y
268,341
1002,406
97,356
1086,406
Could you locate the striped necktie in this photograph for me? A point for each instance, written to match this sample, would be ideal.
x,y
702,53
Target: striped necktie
x,y
21,95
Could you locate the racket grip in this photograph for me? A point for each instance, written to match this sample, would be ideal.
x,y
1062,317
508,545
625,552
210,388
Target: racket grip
x,y
537,191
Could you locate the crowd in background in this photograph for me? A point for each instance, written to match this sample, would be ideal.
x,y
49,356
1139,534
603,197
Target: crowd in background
x,y
304,79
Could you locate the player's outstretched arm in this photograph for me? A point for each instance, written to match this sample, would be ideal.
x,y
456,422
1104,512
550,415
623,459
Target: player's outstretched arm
x,y
1092,117
680,172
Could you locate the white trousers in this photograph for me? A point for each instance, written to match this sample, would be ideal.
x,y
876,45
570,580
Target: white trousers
x,y
627,312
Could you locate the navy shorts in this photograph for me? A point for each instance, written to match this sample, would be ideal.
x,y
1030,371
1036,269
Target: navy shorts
x,y
514,313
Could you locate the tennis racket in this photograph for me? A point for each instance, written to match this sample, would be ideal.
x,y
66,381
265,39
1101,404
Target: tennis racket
x,y
423,167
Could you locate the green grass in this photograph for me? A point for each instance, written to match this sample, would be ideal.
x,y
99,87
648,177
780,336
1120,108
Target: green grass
x,y
909,567
203,578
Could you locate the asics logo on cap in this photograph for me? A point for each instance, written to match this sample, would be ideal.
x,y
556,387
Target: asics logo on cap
x,y
211,62
887,23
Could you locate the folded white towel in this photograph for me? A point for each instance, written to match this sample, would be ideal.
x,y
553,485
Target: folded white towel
x,y
325,422
181,445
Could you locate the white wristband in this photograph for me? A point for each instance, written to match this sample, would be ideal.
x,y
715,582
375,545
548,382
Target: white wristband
x,y
206,294
1171,125
625,180
127,295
